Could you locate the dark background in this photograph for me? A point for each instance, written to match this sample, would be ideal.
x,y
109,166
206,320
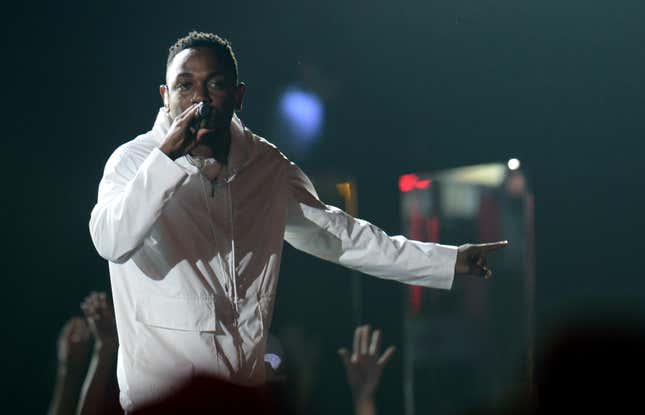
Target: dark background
x,y
409,86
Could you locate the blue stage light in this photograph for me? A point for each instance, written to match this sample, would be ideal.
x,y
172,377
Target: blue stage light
x,y
302,114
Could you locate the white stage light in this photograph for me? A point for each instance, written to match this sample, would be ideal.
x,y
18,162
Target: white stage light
x,y
513,164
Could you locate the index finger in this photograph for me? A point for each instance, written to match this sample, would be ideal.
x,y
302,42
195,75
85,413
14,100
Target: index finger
x,y
492,246
189,112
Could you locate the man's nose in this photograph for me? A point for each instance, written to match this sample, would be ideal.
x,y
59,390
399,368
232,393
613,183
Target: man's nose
x,y
201,94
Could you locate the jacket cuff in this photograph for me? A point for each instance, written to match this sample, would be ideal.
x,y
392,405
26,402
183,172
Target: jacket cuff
x,y
444,259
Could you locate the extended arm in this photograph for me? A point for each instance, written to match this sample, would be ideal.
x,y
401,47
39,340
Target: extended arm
x,y
329,233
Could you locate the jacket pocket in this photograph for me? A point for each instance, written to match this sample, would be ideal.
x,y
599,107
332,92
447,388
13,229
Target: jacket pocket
x,y
196,314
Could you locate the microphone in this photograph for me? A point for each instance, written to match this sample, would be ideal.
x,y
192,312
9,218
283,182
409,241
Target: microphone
x,y
201,118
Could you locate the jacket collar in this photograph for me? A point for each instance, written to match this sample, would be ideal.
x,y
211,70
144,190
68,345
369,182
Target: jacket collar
x,y
240,139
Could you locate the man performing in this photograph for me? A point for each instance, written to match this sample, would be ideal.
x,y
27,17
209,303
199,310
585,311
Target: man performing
x,y
192,216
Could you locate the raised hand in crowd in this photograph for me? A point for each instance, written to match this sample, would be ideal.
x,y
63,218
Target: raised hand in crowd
x,y
99,314
100,392
364,367
74,342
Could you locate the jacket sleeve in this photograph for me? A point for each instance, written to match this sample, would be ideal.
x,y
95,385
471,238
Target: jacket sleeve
x,y
331,234
132,193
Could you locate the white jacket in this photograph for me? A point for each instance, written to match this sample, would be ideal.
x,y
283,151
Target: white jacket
x,y
194,264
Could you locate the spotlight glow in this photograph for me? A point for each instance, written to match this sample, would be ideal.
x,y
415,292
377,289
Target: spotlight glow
x,y
513,164
302,112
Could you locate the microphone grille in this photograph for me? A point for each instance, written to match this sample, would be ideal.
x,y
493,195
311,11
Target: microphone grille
x,y
204,111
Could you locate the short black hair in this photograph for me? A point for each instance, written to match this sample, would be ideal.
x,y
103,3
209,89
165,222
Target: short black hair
x,y
221,46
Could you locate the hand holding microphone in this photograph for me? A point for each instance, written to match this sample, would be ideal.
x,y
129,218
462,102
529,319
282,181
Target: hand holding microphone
x,y
182,136
201,117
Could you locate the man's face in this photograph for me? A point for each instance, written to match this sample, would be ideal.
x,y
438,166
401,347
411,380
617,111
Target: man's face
x,y
196,75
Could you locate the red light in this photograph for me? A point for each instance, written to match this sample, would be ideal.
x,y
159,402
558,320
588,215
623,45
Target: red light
x,y
423,184
416,299
409,182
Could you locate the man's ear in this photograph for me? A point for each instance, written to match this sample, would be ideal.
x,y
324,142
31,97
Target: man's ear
x,y
239,92
163,91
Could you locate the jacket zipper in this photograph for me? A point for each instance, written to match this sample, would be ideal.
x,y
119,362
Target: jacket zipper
x,y
232,260
231,267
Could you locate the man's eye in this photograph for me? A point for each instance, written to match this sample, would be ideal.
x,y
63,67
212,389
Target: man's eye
x,y
183,86
216,85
